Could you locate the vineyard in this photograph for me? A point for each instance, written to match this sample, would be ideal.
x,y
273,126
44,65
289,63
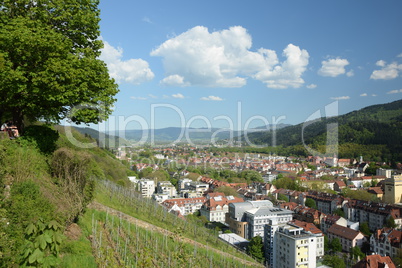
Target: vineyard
x,y
143,234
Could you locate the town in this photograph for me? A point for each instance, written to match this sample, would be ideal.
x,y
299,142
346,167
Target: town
x,y
300,212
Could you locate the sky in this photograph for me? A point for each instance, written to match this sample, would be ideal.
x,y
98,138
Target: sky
x,y
242,64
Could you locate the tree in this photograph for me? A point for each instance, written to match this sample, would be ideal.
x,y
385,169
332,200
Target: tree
x,y
339,212
256,248
356,253
336,245
334,261
49,62
364,228
227,191
310,203
390,222
283,197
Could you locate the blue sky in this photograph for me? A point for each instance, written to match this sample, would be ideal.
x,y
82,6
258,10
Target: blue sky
x,y
240,64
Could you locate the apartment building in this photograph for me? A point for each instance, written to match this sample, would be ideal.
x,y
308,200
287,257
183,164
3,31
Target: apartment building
x,y
147,187
386,242
294,247
217,205
349,238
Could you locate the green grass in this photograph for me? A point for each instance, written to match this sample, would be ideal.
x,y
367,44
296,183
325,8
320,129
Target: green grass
x,y
133,204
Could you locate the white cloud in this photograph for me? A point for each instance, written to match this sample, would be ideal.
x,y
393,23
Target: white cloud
x,y
152,96
363,95
138,98
174,80
134,71
223,59
147,20
211,98
394,91
400,55
333,67
350,73
387,72
178,96
340,98
373,95
311,86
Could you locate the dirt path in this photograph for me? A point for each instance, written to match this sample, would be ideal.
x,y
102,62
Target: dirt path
x,y
148,226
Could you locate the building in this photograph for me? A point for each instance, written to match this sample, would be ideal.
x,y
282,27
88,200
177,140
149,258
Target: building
x,y
256,218
293,247
147,188
198,187
236,217
329,220
349,238
375,261
386,242
393,189
185,206
217,205
166,188
311,228
384,172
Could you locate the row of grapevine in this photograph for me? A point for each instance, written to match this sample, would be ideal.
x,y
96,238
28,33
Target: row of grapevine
x,y
119,243
132,203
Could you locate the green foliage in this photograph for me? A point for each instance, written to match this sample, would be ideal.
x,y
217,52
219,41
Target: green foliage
x,y
339,212
334,261
42,244
364,228
283,197
288,183
356,253
310,203
50,62
336,245
374,132
43,136
227,190
390,222
358,194
256,248
251,175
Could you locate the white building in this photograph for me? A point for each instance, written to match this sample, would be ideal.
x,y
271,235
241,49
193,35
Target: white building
x,y
217,205
147,187
166,188
294,247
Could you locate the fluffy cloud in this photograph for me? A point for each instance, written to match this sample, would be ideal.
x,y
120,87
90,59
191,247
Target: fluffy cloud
x,y
178,96
134,71
138,98
340,98
311,86
363,95
211,98
394,91
334,67
223,59
390,71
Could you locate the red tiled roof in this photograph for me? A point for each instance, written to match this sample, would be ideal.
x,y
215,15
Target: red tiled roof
x,y
343,232
375,261
307,226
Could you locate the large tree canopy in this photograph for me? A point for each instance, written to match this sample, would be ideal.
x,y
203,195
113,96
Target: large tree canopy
x,y
49,65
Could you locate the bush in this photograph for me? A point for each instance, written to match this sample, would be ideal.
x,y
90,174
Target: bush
x,y
44,137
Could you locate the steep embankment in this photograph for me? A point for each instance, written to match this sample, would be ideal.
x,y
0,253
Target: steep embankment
x,y
177,238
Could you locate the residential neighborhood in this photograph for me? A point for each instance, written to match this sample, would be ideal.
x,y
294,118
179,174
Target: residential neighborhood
x,y
301,209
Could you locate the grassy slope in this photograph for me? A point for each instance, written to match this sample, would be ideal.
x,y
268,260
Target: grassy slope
x,y
35,192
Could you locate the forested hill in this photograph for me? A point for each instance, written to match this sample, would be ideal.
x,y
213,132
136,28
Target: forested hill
x,y
379,126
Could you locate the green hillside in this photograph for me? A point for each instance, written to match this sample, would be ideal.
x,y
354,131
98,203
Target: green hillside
x,y
47,184
374,131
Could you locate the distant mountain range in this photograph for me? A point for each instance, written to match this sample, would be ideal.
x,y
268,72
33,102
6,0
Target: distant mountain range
x,y
193,135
